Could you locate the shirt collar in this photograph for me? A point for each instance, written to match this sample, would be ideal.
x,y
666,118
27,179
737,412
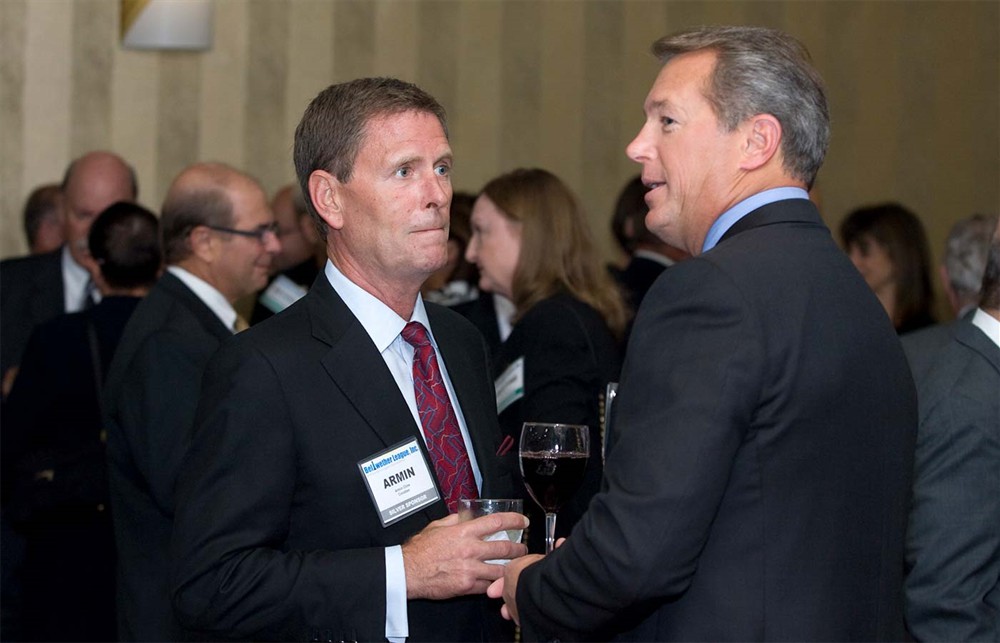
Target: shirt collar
x,y
729,218
208,294
654,256
988,324
381,323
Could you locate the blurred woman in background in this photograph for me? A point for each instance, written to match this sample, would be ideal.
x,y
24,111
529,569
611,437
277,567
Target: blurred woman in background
x,y
888,245
532,245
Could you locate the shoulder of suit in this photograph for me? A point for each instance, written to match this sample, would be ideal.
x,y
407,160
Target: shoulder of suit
x,y
27,264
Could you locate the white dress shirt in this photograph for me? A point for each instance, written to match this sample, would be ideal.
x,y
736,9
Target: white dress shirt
x,y
384,327
209,295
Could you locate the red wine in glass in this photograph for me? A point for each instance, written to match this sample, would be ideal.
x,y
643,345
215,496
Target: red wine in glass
x,y
553,462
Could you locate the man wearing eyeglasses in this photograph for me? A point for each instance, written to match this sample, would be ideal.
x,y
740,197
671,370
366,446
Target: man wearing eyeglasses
x,y
219,242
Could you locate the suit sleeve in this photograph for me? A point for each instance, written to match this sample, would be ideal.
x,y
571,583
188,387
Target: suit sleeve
x,y
233,577
688,389
953,542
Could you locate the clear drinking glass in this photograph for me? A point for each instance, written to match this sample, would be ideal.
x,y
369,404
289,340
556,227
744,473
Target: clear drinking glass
x,y
553,462
474,508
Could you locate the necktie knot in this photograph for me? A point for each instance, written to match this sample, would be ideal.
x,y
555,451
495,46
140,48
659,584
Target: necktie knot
x,y
416,335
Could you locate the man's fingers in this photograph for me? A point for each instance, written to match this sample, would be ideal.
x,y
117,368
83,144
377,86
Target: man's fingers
x,y
502,549
495,590
492,523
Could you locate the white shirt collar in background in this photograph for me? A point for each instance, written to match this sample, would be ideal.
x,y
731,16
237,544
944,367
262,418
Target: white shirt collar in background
x,y
208,294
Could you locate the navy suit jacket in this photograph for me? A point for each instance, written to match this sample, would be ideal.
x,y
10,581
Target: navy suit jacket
x,y
276,536
953,544
31,292
759,465
150,400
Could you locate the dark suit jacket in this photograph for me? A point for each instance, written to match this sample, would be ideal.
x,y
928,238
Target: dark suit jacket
x,y
922,347
275,534
31,292
482,312
953,544
53,421
150,400
569,356
759,466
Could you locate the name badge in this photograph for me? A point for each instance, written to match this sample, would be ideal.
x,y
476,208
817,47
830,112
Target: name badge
x,y
282,293
399,481
510,385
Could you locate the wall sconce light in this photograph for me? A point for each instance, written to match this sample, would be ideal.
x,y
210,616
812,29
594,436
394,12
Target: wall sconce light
x,y
166,24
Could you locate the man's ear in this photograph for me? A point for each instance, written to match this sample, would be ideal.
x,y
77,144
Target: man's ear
x,y
204,244
762,142
327,197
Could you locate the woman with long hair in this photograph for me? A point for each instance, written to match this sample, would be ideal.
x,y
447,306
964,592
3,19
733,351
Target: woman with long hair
x,y
532,245
888,245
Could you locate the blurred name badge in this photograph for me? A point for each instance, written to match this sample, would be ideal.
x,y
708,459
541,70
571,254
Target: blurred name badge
x,y
282,293
399,481
510,385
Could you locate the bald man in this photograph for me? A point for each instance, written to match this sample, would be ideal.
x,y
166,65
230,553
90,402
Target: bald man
x,y
220,240
36,288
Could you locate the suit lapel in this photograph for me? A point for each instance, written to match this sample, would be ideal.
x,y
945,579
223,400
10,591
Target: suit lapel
x,y
356,367
973,337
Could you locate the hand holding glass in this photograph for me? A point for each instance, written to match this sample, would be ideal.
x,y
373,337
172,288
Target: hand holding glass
x,y
553,461
470,509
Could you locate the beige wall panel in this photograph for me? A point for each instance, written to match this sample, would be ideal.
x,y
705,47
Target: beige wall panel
x,y
520,83
437,68
12,72
94,43
135,104
475,121
222,91
914,89
397,33
47,92
561,115
603,141
353,39
177,137
268,156
310,63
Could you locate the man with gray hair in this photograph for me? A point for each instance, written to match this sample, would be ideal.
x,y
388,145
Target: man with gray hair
x,y
953,544
961,277
965,255
758,471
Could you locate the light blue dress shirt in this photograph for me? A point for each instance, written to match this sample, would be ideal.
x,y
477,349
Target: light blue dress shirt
x,y
729,218
384,326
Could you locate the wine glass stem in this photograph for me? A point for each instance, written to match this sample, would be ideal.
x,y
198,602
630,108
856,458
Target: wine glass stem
x,y
550,532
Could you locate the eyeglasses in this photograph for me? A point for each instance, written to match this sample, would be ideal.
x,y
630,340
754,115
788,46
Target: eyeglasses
x,y
257,233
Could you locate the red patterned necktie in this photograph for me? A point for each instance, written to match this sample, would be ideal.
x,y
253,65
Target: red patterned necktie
x,y
444,438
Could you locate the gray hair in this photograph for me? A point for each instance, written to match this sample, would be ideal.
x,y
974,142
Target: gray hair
x,y
965,254
763,71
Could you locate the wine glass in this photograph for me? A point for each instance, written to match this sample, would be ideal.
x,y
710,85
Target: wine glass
x,y
553,461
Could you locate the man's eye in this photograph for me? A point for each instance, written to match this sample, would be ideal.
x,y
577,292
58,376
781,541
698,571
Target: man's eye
x,y
666,121
403,172
443,170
